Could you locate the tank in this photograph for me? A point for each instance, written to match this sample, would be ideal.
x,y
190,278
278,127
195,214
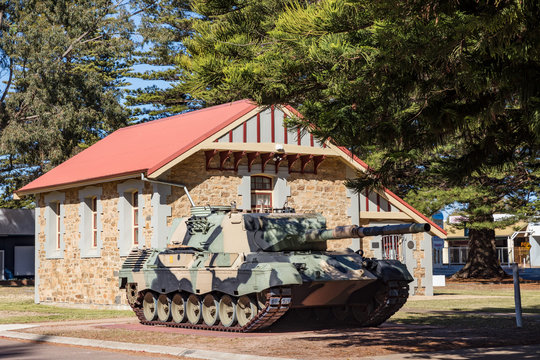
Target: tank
x,y
233,271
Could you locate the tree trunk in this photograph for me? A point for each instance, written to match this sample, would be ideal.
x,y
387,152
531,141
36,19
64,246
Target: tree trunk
x,y
482,262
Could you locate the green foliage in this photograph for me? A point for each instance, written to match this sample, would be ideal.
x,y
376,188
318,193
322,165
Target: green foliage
x,y
164,24
441,98
66,61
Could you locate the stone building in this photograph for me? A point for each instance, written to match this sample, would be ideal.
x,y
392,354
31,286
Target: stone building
x,y
125,191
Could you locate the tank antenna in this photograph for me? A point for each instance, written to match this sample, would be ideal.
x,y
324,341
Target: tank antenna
x,y
144,178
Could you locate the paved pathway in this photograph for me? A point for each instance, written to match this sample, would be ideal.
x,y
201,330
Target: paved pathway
x,y
30,350
115,345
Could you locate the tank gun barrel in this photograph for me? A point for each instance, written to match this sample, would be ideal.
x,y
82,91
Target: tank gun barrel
x,y
354,231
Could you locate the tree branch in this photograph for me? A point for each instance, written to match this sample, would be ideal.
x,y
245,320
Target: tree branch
x,y
8,84
70,48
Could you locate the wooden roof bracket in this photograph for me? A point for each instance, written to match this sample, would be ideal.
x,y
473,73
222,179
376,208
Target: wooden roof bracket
x,y
317,160
265,158
251,159
209,154
291,159
305,159
223,156
238,155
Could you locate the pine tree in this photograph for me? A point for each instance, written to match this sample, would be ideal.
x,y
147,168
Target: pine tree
x,y
163,26
439,94
66,61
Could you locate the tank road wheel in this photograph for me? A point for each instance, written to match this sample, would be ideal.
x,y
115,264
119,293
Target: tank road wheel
x,y
193,309
227,311
178,308
164,308
262,298
245,310
150,306
210,310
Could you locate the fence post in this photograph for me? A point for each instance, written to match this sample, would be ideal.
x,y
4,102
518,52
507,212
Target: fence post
x,y
517,295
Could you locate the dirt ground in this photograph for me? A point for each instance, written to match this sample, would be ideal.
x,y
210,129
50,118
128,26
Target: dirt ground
x,y
314,344
293,341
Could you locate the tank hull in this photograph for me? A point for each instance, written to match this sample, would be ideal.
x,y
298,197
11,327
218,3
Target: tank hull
x,y
232,271
275,282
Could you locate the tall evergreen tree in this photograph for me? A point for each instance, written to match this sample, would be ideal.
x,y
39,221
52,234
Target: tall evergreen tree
x,y
65,62
163,26
445,91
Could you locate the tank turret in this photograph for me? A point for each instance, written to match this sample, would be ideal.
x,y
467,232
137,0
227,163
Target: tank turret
x,y
234,271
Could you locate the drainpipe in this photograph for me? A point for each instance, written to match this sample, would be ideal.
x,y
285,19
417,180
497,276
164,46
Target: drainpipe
x,y
144,178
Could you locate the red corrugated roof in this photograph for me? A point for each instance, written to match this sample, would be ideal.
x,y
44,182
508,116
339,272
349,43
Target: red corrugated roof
x,y
139,148
149,146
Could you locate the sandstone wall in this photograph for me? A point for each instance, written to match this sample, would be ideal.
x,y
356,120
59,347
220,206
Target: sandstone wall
x,y
77,280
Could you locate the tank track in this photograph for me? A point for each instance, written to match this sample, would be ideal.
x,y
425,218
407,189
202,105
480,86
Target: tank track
x,y
277,304
389,300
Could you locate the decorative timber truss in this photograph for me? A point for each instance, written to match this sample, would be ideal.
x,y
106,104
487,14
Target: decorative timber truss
x,y
275,158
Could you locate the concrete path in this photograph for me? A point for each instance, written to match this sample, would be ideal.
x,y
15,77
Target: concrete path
x,y
29,350
149,349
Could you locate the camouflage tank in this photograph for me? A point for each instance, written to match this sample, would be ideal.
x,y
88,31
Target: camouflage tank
x,y
233,271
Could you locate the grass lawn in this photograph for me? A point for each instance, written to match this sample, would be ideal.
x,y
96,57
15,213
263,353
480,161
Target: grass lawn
x,y
17,306
473,306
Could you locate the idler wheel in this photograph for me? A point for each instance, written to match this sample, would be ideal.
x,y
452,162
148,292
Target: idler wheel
x,y
132,293
193,309
164,308
227,311
246,309
210,311
150,306
178,308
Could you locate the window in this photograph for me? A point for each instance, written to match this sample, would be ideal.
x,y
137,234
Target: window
x,y
54,225
130,215
90,226
135,217
93,209
458,254
57,233
261,193
390,247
